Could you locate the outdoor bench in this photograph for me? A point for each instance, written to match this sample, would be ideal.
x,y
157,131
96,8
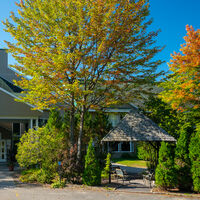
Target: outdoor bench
x,y
122,174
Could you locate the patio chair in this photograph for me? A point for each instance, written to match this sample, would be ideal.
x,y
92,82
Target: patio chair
x,y
148,177
122,174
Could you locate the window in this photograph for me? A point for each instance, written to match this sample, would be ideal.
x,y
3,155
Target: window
x,y
16,129
114,119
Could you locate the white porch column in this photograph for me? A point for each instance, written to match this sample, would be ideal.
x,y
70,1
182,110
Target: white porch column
x,y
119,147
36,123
131,147
31,123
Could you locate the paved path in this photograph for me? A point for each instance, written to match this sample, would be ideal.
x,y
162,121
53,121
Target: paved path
x,y
130,170
6,177
39,193
10,191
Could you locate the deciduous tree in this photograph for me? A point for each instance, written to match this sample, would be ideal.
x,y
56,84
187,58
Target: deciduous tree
x,y
182,89
82,54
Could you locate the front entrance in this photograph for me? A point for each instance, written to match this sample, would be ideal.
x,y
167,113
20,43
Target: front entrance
x,y
3,151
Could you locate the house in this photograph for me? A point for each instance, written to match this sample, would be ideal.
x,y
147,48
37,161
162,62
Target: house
x,y
15,117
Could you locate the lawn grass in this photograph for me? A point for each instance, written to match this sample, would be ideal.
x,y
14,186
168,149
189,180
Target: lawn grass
x,y
130,162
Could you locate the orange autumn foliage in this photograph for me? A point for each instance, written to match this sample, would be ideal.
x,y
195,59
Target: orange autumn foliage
x,y
182,89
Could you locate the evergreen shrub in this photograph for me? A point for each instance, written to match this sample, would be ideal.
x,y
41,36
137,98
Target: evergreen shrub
x,y
182,160
105,172
194,153
165,175
92,171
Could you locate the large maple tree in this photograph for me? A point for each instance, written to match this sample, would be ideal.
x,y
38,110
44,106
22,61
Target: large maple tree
x,y
182,89
82,54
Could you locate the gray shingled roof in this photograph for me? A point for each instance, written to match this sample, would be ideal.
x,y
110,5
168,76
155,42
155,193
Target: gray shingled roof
x,y
137,127
10,87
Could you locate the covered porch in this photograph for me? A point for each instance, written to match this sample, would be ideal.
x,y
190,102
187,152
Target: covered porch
x,y
15,119
133,128
10,132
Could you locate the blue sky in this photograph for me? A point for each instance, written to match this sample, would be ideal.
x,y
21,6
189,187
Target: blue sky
x,y
171,16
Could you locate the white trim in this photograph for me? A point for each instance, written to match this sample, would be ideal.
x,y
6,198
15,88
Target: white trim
x,y
28,118
113,110
5,151
12,95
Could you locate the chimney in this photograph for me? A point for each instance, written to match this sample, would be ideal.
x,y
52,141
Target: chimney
x,y
5,72
3,61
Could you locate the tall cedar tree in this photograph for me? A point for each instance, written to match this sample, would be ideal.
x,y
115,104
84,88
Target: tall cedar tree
x,y
182,89
182,160
165,174
168,119
107,168
194,153
92,171
82,54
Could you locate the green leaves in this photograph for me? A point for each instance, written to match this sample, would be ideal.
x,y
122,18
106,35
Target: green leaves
x,y
194,153
92,171
73,48
165,174
182,87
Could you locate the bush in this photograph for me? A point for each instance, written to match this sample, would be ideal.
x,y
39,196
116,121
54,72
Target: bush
x,y
29,176
182,160
194,153
92,172
57,183
41,148
165,174
106,171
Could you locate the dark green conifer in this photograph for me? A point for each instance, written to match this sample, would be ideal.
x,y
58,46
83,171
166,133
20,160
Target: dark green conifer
x,y
92,171
165,174
194,153
182,160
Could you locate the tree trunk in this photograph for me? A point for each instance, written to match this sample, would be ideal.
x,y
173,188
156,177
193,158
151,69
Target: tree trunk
x,y
79,146
72,121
